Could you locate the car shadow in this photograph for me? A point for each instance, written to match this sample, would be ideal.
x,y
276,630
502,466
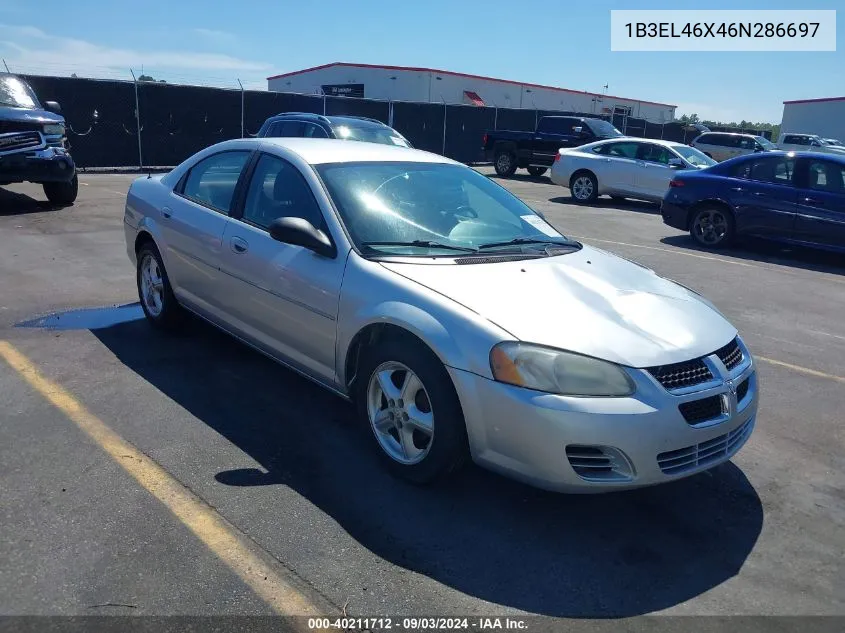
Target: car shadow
x,y
769,252
13,203
500,541
640,206
523,177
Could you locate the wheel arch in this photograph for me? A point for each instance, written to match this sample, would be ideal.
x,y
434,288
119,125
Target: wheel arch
x,y
398,321
709,202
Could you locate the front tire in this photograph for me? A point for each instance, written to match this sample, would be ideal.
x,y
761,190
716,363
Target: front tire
x,y
713,227
62,193
406,398
537,171
154,289
505,163
584,187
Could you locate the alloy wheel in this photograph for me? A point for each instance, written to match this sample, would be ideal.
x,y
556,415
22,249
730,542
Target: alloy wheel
x,y
400,413
711,227
582,188
152,285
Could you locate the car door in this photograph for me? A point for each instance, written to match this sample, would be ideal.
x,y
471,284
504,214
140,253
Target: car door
x,y
653,172
281,297
552,134
193,222
821,202
616,167
764,197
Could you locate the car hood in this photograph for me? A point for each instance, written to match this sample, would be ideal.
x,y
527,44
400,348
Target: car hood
x,y
590,302
27,115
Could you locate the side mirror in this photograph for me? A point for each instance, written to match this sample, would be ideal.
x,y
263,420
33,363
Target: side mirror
x,y
758,149
676,163
300,232
53,106
578,129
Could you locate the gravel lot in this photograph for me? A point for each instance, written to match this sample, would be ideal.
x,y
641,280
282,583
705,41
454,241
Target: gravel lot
x,y
281,461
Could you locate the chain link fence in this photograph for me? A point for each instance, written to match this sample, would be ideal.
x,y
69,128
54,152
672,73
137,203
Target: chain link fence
x,y
140,124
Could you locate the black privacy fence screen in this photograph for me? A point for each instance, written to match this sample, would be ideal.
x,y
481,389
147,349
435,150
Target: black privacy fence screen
x,y
149,124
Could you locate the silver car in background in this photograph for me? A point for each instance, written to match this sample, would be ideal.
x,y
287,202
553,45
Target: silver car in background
x,y
459,321
624,168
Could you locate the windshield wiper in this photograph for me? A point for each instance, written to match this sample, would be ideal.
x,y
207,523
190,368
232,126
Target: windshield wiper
x,y
423,244
527,240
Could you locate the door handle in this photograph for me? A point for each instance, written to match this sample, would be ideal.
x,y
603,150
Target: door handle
x,y
166,212
760,194
238,245
736,188
813,201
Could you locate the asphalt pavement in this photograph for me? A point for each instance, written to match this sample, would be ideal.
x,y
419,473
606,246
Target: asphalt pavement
x,y
286,470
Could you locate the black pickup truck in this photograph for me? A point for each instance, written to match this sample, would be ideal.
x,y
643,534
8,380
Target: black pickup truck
x,y
33,142
536,150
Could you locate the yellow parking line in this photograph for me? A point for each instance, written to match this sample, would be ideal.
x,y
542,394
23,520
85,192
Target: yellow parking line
x,y
801,370
207,525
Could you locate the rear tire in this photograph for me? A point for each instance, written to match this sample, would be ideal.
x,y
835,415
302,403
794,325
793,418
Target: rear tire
x,y
713,227
154,290
505,163
419,452
584,187
62,193
537,171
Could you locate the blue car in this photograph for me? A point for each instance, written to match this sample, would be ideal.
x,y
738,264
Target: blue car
x,y
793,197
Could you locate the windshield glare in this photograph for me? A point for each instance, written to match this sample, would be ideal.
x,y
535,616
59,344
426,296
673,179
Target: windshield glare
x,y
603,128
693,156
371,134
16,93
766,143
449,204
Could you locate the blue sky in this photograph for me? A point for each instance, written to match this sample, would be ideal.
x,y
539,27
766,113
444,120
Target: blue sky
x,y
558,42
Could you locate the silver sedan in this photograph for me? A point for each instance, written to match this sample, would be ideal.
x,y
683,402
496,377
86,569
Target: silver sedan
x,y
624,168
457,319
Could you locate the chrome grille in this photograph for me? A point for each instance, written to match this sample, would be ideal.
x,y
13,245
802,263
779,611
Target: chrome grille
x,y
696,411
15,141
730,354
684,374
710,452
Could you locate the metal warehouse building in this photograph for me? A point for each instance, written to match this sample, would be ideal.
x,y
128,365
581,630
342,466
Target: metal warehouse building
x,y
399,83
825,117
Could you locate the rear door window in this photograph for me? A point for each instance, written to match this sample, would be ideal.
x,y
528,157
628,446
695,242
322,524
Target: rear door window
x,y
776,171
558,125
212,181
827,176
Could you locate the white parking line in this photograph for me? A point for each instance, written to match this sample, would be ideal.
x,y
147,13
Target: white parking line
x,y
669,250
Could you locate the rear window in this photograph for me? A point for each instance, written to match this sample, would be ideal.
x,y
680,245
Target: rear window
x,y
371,134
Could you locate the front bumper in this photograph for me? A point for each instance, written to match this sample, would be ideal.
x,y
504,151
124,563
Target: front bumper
x,y
542,438
49,164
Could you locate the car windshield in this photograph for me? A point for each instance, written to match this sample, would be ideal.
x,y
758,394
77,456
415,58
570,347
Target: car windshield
x,y
371,134
17,93
431,209
693,156
766,143
603,128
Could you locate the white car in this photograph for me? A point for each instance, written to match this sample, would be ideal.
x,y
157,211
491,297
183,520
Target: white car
x,y
726,145
808,143
624,168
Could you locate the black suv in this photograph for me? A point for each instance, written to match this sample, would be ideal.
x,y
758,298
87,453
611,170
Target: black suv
x,y
32,142
350,128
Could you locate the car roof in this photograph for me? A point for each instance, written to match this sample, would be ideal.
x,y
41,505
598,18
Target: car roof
x,y
357,121
640,139
775,153
317,151
734,134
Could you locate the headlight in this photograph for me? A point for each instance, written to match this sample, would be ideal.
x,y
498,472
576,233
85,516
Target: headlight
x,y
556,371
54,129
